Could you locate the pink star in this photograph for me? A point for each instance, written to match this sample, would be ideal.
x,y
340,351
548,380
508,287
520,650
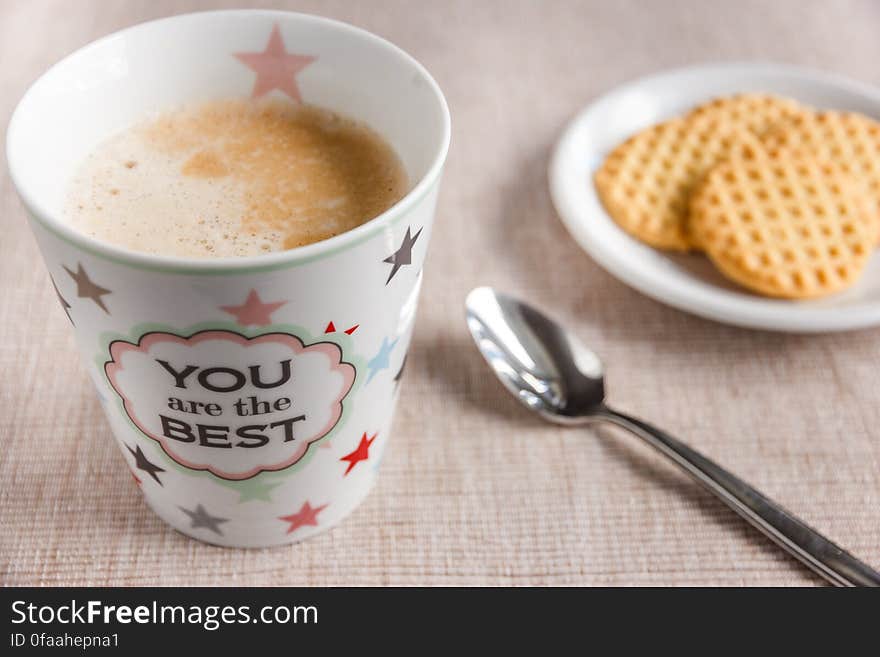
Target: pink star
x,y
253,312
306,516
275,67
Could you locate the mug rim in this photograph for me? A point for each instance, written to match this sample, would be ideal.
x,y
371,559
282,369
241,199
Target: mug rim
x,y
234,264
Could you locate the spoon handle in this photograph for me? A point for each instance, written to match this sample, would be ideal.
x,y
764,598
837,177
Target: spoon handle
x,y
829,560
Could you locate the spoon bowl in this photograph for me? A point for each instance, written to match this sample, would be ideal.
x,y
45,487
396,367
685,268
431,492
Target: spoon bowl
x,y
544,367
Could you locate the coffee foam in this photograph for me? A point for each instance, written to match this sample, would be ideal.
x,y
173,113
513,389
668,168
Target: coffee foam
x,y
234,178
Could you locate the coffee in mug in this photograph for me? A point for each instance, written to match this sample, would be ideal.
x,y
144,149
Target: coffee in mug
x,y
236,177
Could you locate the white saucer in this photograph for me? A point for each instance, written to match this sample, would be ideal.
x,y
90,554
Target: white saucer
x,y
690,282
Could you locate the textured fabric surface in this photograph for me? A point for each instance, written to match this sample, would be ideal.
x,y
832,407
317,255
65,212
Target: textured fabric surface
x,y
474,490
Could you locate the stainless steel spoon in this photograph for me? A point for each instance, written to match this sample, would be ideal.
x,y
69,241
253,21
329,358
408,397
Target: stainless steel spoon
x,y
553,374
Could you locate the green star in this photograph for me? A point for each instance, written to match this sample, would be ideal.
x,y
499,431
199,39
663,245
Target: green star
x,y
255,490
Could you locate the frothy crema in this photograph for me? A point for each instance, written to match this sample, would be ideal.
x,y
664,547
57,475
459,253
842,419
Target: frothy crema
x,y
234,178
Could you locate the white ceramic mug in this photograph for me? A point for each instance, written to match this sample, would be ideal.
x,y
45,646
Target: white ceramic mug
x,y
252,397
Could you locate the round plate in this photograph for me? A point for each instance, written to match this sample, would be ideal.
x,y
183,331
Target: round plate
x,y
689,281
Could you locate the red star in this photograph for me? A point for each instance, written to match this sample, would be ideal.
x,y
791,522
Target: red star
x,y
253,312
331,328
275,67
306,516
362,453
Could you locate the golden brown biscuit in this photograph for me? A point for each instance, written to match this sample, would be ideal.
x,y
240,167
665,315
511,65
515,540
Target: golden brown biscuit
x,y
646,181
849,139
755,112
784,223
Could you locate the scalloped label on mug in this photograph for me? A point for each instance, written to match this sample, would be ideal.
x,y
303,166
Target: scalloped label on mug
x,y
232,405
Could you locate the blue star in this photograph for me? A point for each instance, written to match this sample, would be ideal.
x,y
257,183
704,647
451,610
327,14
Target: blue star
x,y
101,396
379,461
379,362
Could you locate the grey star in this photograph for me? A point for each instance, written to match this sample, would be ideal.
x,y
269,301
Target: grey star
x,y
63,301
86,289
201,518
143,463
403,255
399,374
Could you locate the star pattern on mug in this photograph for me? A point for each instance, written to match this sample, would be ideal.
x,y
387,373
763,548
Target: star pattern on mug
x,y
380,361
253,312
307,516
201,518
86,288
63,301
403,255
331,328
143,463
378,462
400,371
275,67
361,452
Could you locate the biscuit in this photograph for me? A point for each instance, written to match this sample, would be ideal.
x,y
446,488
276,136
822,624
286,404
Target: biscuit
x,y
758,113
645,182
851,140
785,223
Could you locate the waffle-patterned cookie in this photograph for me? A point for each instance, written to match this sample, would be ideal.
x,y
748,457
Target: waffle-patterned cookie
x,y
755,112
784,223
851,140
646,181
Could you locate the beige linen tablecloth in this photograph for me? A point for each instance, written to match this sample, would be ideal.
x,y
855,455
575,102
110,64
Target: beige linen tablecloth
x,y
474,490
